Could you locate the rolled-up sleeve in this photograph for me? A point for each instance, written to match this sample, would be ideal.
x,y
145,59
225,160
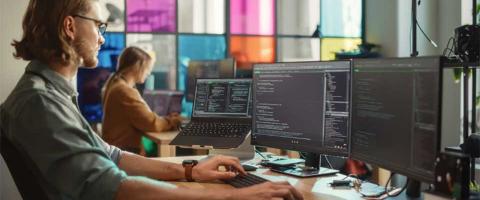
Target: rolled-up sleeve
x,y
72,160
112,151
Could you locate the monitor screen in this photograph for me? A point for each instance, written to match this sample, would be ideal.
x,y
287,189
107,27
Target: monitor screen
x,y
222,98
163,102
396,113
207,69
302,106
89,85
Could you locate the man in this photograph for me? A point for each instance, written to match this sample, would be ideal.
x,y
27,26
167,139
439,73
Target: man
x,y
42,119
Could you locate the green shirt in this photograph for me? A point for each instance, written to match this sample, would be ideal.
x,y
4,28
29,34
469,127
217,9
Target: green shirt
x,y
41,117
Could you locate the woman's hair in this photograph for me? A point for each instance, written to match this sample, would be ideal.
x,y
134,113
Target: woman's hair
x,y
43,36
130,57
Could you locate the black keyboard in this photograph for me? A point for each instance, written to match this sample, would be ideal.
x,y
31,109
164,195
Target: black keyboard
x,y
216,129
241,180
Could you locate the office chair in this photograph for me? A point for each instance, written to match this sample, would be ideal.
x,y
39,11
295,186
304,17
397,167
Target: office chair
x,y
28,186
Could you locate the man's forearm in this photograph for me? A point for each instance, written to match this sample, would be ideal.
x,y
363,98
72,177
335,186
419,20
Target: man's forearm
x,y
142,188
136,165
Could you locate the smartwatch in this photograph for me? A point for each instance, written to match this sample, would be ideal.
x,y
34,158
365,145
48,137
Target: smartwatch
x,y
188,165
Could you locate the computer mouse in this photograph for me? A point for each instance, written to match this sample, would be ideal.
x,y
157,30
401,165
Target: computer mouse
x,y
249,167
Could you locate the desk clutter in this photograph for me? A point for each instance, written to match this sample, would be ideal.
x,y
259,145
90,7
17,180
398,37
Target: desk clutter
x,y
386,112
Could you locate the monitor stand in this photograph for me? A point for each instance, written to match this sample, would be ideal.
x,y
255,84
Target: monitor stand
x,y
310,169
244,152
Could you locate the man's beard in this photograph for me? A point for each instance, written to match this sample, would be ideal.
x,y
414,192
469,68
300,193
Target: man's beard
x,y
86,54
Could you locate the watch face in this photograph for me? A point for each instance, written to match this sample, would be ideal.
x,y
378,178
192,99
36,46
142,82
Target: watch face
x,y
189,162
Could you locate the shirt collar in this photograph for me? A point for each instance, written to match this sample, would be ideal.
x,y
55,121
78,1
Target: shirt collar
x,y
58,81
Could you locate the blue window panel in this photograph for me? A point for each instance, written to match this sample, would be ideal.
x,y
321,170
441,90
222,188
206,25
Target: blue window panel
x,y
91,81
110,50
196,47
341,18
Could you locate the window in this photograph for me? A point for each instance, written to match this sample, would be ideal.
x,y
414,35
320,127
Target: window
x,y
251,31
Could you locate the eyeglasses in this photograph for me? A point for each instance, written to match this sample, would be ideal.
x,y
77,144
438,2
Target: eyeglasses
x,y
102,26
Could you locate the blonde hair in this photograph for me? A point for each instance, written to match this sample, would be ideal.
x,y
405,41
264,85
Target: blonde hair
x,y
130,57
43,36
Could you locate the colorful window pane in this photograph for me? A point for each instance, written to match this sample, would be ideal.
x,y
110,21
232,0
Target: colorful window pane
x,y
341,18
114,14
110,50
91,81
196,47
298,17
201,16
162,48
249,50
298,49
332,45
256,17
151,16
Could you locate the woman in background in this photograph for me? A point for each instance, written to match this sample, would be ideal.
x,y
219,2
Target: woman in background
x,y
126,115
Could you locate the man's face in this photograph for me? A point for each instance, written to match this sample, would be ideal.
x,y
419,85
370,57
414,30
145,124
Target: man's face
x,y
88,39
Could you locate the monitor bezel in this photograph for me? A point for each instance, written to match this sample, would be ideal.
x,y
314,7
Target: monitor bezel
x,y
290,145
188,91
386,165
220,115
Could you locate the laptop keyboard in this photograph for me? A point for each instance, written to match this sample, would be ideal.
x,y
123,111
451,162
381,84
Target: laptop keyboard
x,y
241,180
216,129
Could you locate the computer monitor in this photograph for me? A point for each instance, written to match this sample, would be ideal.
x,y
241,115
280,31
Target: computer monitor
x,y
222,98
396,114
89,85
302,106
164,102
207,69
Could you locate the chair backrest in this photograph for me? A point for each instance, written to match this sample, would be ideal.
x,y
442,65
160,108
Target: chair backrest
x,y
28,186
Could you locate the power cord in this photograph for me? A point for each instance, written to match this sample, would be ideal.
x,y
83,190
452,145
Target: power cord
x,y
450,49
424,34
399,192
261,155
328,162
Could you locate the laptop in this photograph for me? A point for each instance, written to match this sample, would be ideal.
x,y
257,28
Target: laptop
x,y
164,102
221,116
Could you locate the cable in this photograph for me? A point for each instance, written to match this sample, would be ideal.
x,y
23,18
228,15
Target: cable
x,y
260,153
447,47
424,34
401,190
388,182
328,162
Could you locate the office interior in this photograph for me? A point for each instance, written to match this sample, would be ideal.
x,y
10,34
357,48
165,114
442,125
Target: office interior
x,y
250,32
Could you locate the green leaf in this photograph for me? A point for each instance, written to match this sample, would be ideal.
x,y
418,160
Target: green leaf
x,y
457,74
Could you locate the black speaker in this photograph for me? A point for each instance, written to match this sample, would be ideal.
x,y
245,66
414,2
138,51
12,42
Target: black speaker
x,y
467,43
452,174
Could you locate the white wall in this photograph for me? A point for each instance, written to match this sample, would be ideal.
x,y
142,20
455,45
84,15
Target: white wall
x,y
388,23
11,14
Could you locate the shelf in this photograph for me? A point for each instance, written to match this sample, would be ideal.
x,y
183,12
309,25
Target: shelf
x,y
456,63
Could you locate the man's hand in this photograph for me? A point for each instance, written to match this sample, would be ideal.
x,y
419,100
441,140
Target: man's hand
x,y
267,191
210,169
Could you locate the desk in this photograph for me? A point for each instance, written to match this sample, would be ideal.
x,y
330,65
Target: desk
x,y
311,188
163,140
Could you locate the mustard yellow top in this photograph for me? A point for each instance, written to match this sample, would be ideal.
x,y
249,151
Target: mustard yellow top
x,y
127,116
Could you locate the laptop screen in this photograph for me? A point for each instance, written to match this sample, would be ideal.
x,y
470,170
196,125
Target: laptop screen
x,y
164,102
222,98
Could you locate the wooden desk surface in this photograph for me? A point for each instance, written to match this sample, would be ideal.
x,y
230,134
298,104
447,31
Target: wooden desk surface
x,y
311,188
163,140
162,137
